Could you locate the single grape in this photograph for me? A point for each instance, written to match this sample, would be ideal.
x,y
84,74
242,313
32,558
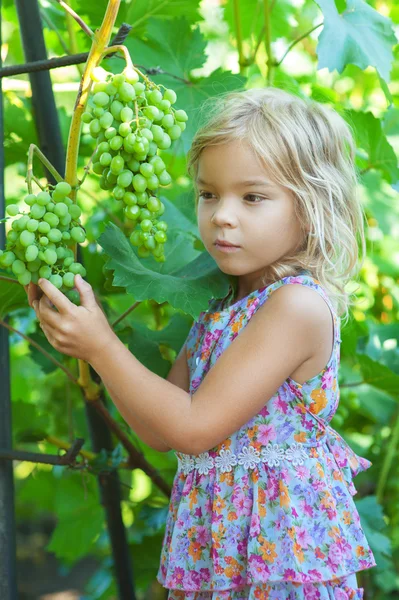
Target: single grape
x,y
32,225
95,128
126,114
160,237
106,120
7,259
43,198
56,280
116,108
116,143
150,242
118,192
69,280
174,132
144,214
44,241
50,256
27,238
168,121
125,179
66,236
118,79
105,158
25,278
101,99
45,272
61,209
146,225
131,75
124,129
51,219
51,206
31,253
139,183
152,182
12,210
37,211
162,226
146,169
12,235
126,92
68,261
87,117
132,212
151,112
61,252
181,115
164,178
165,143
74,211
153,204
78,235
117,165
110,133
142,198
18,267
170,95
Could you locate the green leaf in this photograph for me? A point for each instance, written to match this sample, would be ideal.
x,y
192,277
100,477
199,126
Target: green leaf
x,y
378,375
360,36
381,202
80,518
12,296
370,136
140,11
145,343
45,363
172,45
188,288
27,423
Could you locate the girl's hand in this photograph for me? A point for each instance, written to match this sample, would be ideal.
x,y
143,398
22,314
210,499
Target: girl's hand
x,y
34,293
79,331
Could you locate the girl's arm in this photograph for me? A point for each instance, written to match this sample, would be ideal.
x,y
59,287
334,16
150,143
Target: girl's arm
x,y
178,375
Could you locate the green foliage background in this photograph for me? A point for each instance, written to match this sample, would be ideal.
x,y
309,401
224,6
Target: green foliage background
x,y
347,56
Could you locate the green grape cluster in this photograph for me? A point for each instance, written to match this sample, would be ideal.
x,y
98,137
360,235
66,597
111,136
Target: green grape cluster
x,y
39,241
131,120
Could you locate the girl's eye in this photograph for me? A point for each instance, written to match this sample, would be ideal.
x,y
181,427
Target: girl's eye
x,y
255,199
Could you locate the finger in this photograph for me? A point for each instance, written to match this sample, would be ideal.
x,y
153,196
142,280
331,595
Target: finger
x,y
59,300
87,298
48,316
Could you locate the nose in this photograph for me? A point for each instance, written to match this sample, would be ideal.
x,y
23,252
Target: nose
x,y
224,215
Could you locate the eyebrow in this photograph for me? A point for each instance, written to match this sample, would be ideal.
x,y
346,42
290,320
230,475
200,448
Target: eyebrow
x,y
247,183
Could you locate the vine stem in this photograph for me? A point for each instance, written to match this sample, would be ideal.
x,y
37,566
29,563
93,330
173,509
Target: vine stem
x,y
238,33
9,279
298,39
69,374
100,39
78,19
268,46
33,149
125,314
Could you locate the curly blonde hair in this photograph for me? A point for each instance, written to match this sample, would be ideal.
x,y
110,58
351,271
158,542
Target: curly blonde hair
x,y
310,149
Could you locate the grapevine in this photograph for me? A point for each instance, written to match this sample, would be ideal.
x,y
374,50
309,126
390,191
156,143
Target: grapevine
x,y
131,119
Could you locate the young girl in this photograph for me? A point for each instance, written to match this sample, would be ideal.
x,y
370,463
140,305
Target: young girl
x,y
261,506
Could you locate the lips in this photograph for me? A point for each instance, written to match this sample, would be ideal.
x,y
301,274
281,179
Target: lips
x,y
224,243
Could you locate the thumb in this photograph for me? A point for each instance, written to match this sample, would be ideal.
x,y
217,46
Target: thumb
x,y
87,298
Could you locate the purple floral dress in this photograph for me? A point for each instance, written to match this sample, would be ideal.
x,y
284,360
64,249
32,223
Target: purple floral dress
x,y
268,514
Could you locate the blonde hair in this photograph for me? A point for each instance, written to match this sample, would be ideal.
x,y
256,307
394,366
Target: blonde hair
x,y
308,148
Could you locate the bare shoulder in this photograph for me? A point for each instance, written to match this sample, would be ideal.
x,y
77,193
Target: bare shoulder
x,y
304,307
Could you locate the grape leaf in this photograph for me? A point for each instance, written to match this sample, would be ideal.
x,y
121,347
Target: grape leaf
x,y
360,36
188,288
378,375
144,342
80,519
173,46
12,296
140,11
370,137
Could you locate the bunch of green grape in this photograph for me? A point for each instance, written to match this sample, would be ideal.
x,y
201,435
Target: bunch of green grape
x,y
131,120
39,241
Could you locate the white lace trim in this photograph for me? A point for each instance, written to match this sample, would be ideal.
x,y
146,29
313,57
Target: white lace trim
x,y
271,455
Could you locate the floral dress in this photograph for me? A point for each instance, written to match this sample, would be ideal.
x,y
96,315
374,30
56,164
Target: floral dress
x,y
268,513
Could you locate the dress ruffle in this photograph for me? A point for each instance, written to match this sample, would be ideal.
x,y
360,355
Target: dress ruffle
x,y
348,462
344,588
267,499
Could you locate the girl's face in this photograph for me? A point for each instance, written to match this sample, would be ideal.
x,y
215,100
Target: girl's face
x,y
239,203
